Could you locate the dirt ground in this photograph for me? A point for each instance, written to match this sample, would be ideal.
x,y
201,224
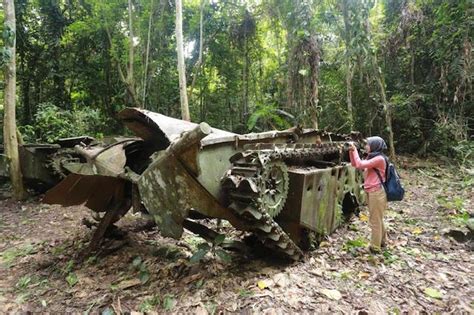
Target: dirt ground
x,y
423,269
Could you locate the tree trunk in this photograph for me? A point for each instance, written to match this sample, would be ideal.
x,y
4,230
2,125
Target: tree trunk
x,y
198,64
181,66
349,65
412,66
386,105
289,76
349,76
245,91
130,75
314,96
147,54
9,120
130,43
128,80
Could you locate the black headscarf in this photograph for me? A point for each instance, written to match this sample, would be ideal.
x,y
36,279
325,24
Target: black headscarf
x,y
377,145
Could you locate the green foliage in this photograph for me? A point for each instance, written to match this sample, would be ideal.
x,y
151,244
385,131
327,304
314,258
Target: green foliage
x,y
204,248
71,279
153,302
256,72
10,255
357,243
5,56
150,304
268,117
464,152
168,302
8,34
52,123
456,209
23,282
389,257
142,269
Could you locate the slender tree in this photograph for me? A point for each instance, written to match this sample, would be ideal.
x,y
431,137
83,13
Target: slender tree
x,y
181,66
198,64
9,126
386,106
377,71
147,53
349,65
127,78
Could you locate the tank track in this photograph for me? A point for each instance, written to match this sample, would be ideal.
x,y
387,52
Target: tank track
x,y
57,159
243,184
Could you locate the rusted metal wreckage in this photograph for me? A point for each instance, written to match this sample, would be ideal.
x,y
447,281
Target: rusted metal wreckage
x,y
280,186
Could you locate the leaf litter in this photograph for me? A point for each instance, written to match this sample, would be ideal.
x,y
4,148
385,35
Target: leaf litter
x,y
422,269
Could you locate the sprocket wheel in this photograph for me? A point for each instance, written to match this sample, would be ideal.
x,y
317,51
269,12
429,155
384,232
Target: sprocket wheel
x,y
274,182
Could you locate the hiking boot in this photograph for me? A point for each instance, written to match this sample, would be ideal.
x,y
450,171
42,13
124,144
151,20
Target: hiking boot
x,y
375,250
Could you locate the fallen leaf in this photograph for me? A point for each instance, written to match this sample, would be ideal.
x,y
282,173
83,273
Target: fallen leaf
x,y
417,231
262,285
123,285
332,294
271,311
200,311
281,279
363,217
293,299
363,275
317,272
433,293
324,244
192,278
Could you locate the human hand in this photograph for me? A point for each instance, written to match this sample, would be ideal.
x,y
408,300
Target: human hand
x,y
352,146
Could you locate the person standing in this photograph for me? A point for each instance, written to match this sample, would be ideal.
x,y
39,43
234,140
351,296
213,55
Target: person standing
x,y
377,198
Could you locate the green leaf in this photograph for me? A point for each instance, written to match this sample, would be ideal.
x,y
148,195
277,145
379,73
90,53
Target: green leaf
x,y
253,119
204,246
137,262
222,254
71,279
433,293
199,283
144,276
168,302
198,255
108,311
219,239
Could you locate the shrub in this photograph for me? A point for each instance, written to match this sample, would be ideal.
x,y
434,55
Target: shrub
x,y
52,123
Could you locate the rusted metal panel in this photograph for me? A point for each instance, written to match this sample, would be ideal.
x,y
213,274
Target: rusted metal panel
x,y
169,191
313,198
98,193
152,126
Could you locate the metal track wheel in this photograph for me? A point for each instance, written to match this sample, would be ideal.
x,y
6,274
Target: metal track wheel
x,y
273,188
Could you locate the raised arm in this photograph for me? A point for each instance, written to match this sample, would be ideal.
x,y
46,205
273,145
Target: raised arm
x,y
361,164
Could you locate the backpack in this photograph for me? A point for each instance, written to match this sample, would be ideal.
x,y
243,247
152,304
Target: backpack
x,y
393,186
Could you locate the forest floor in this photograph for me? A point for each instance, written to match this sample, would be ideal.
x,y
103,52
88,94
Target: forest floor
x,y
423,269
